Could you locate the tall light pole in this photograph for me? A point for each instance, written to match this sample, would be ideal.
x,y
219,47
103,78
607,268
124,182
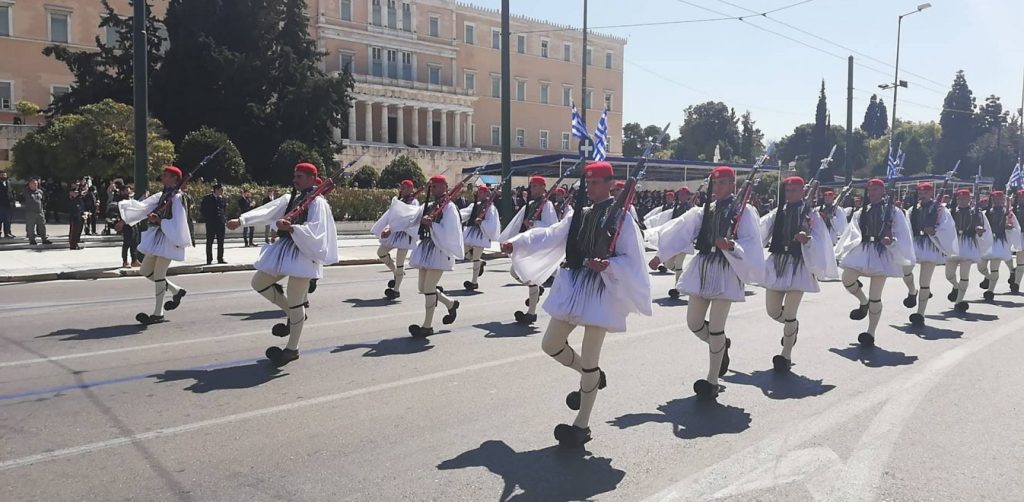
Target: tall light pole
x,y
141,98
896,83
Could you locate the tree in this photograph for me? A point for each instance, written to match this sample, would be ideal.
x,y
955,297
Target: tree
x,y
751,139
706,126
26,110
99,142
876,118
227,167
957,121
288,155
882,120
402,168
819,135
632,138
249,68
107,72
365,177
991,115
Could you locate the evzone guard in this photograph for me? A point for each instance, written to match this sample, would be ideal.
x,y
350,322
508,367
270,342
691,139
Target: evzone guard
x,y
833,216
481,227
1018,271
877,244
726,237
934,237
403,209
682,201
799,255
974,241
593,288
1006,237
307,239
563,206
440,231
164,241
539,212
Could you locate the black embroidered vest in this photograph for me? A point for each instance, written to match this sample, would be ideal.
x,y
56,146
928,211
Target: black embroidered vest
x,y
786,226
589,236
716,224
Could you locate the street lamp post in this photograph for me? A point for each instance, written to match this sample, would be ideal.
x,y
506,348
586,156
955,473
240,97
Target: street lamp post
x,y
896,83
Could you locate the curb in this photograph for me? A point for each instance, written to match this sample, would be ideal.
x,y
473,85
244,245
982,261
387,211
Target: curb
x,y
113,273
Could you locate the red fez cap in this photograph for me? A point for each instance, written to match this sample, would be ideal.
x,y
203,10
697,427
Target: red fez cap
x,y
407,183
998,193
1020,193
794,180
829,193
306,168
685,190
439,179
620,184
875,182
669,193
483,189
173,170
924,185
599,170
538,180
963,192
560,191
723,172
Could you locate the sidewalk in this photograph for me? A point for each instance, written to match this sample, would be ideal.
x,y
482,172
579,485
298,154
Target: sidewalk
x,y
50,263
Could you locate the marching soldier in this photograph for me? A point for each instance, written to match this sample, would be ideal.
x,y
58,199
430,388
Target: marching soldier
x,y
402,212
834,217
1005,232
682,202
934,237
974,241
481,228
537,213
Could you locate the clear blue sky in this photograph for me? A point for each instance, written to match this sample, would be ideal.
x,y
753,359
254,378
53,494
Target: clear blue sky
x,y
778,79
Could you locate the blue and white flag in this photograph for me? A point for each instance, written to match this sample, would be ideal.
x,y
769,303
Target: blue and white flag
x,y
1016,177
601,135
579,129
895,163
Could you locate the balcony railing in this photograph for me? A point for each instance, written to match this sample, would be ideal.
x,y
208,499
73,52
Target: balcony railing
x,y
409,84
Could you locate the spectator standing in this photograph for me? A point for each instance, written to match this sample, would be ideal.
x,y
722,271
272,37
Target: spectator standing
x,y
92,206
76,216
245,204
6,204
269,237
35,212
213,208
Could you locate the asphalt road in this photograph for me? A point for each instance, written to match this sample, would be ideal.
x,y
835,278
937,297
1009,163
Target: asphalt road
x,y
93,407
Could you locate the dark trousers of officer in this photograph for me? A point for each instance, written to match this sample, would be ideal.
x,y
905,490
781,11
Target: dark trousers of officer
x,y
75,231
129,245
247,235
214,231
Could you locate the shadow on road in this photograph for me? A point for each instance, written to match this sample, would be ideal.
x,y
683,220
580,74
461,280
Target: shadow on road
x,y
691,419
965,316
497,329
232,377
669,302
97,333
376,302
553,474
462,293
777,385
874,357
258,316
929,332
1002,303
391,347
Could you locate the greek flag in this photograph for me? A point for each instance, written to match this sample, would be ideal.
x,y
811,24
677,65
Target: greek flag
x,y
1016,177
579,129
601,135
895,163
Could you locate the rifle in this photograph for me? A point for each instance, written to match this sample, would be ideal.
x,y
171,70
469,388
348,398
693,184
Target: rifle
x,y
486,206
163,207
442,203
424,187
324,188
811,190
748,187
620,208
696,194
977,194
551,191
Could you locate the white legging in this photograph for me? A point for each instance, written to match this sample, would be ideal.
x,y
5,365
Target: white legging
x,y
965,274
990,269
396,266
428,279
710,331
782,307
154,268
474,253
556,345
851,281
293,303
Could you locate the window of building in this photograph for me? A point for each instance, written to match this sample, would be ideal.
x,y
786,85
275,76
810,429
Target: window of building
x,y
407,66
608,56
608,143
567,51
346,10
434,72
587,95
565,141
566,96
495,86
6,95
110,35
608,101
435,26
470,34
543,140
520,90
470,82
5,154
377,62
545,91
57,91
495,38
5,20
392,63
376,19
495,136
521,44
392,14
590,56
60,27
544,46
348,62
406,16
521,137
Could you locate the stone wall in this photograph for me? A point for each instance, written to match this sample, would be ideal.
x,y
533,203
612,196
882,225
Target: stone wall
x,y
431,160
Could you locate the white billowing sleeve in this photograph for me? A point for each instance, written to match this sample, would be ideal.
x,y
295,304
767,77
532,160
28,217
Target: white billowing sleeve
x,y
839,222
548,216
267,214
537,253
945,237
818,251
1013,235
491,225
850,239
747,258
176,230
903,248
134,211
399,217
654,218
677,236
317,238
767,224
513,227
447,233
985,241
465,213
627,274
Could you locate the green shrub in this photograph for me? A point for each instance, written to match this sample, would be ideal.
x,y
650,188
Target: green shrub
x,y
226,167
288,155
402,168
365,177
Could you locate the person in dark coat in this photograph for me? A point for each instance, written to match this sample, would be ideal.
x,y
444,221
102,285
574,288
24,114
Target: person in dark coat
x,y
213,208
245,204
76,216
6,205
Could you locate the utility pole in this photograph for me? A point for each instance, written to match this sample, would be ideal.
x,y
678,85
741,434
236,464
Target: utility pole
x,y
505,206
849,119
583,92
141,98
